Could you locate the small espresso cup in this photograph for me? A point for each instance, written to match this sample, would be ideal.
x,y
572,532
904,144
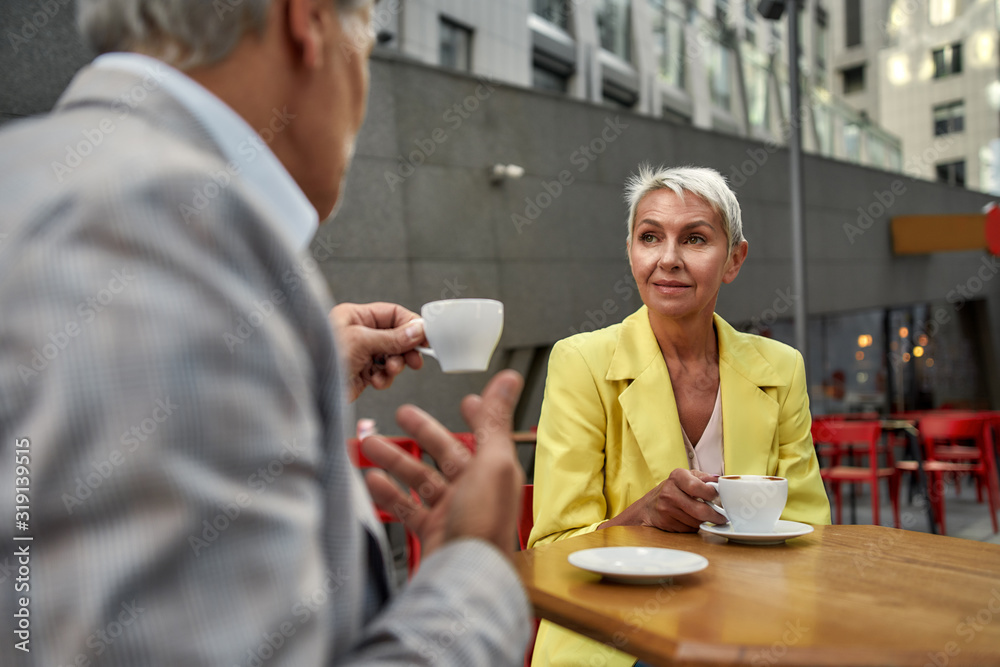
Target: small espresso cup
x,y
463,333
751,503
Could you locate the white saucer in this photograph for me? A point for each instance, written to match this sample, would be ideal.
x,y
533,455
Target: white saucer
x,y
784,530
638,565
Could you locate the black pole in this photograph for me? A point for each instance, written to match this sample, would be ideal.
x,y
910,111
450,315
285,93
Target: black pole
x,y
795,180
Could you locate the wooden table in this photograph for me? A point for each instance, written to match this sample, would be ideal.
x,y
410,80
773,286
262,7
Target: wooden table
x,y
525,437
842,595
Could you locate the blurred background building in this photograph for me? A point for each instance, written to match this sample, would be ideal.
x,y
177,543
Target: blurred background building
x,y
500,134
713,64
927,72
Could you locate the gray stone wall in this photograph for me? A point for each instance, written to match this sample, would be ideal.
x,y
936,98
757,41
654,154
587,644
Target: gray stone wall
x,y
423,215
422,220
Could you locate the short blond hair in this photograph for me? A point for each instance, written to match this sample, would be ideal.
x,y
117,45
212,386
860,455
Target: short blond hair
x,y
704,182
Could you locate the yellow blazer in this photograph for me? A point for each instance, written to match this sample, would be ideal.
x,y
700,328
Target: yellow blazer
x,y
609,432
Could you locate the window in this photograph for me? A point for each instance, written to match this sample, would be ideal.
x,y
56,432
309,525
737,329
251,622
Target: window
x,y
614,23
947,60
952,173
852,22
554,11
719,80
722,11
949,118
942,11
755,74
668,40
820,42
456,45
823,118
854,79
545,79
852,142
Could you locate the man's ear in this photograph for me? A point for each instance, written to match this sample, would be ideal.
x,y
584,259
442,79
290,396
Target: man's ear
x,y
305,21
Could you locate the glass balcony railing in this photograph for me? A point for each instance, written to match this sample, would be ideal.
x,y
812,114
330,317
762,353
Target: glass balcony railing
x,y
554,11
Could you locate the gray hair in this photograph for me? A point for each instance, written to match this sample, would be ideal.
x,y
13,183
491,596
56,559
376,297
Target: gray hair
x,y
704,182
181,33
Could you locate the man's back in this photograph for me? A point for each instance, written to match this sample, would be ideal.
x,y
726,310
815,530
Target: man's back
x,y
167,361
176,378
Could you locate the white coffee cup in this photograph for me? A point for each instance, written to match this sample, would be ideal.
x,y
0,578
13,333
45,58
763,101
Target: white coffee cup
x,y
751,503
463,333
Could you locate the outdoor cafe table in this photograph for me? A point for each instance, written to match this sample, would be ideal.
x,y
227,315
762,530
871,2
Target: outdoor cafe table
x,y
842,595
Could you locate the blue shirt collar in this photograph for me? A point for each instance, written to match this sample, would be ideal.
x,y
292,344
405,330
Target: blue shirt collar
x,y
245,149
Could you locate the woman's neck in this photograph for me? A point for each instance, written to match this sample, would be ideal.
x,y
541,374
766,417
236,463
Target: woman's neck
x,y
690,340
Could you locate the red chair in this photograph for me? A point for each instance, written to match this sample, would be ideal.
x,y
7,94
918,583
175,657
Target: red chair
x,y
467,439
526,521
360,460
941,437
857,438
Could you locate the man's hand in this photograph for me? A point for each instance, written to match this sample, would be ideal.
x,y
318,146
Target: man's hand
x,y
473,495
675,505
377,341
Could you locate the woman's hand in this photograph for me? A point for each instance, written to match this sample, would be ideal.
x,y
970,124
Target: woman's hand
x,y
675,505
377,342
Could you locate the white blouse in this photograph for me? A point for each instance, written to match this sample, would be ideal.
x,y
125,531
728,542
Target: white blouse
x,y
706,455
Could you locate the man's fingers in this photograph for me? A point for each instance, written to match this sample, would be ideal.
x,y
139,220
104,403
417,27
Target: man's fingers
x,y
426,481
414,359
450,455
492,414
387,342
390,498
470,407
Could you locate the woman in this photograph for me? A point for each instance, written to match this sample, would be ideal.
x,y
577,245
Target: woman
x,y
638,416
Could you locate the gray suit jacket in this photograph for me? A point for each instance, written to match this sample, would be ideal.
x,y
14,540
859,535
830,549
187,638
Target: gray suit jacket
x,y
191,500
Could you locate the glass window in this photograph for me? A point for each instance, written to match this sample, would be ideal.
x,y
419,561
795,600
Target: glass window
x,y
546,79
852,21
894,154
947,60
952,173
456,45
614,23
942,11
554,11
824,127
852,141
854,79
820,42
722,11
876,151
949,118
719,75
669,17
755,75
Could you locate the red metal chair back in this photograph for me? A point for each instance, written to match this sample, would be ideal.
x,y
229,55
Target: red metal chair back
x,y
849,433
526,521
951,428
411,447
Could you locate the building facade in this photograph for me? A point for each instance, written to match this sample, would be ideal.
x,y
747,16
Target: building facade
x,y
928,72
424,216
715,64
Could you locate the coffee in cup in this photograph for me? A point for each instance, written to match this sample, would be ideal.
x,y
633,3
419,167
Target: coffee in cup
x,y
751,503
463,333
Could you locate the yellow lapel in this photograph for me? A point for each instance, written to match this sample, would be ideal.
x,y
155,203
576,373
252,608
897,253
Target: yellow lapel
x,y
648,403
749,407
